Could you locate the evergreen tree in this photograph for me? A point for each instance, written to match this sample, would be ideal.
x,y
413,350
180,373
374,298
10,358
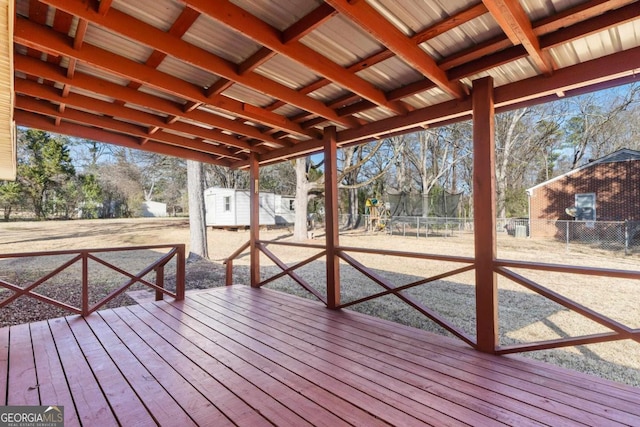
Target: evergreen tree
x,y
44,169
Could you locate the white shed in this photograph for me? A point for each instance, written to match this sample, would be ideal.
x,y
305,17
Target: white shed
x,y
226,207
285,209
154,209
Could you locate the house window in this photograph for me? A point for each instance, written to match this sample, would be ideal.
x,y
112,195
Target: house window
x,y
292,205
586,207
227,203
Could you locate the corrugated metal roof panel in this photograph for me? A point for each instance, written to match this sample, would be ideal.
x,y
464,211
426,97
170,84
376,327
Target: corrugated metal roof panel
x,y
159,13
288,110
209,109
91,94
427,98
375,114
462,37
390,74
215,38
160,94
83,68
327,93
411,17
22,7
287,72
280,14
249,96
338,41
187,72
597,45
117,44
505,74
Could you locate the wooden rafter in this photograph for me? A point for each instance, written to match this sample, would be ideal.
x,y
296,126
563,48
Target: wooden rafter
x,y
167,43
37,121
386,33
516,25
98,86
103,122
85,103
238,19
36,36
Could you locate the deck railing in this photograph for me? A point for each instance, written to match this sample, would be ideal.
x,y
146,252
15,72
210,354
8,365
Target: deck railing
x,y
83,256
502,267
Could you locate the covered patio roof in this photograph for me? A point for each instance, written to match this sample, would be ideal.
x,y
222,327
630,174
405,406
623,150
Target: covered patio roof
x,y
218,80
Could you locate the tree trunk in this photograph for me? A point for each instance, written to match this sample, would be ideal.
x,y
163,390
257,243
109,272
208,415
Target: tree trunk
x,y
197,228
302,194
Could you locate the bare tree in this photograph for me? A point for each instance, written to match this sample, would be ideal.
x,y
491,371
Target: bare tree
x,y
197,227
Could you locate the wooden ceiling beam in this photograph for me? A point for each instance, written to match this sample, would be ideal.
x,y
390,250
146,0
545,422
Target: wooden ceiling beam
x,y
151,121
101,87
157,39
259,31
87,119
516,25
509,54
525,92
35,121
42,38
422,36
366,17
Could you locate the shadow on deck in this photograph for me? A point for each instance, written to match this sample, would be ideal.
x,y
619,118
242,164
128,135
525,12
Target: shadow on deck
x,y
241,356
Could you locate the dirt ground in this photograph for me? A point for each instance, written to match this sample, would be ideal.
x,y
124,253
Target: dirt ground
x,y
524,315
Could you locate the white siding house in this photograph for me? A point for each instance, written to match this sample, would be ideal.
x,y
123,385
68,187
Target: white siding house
x,y
285,209
226,207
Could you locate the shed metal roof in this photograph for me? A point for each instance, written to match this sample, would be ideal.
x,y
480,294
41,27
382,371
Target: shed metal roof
x,y
215,80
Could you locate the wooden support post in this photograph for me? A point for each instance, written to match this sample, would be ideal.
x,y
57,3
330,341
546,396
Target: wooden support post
x,y
160,282
181,272
85,283
254,221
331,216
484,214
229,272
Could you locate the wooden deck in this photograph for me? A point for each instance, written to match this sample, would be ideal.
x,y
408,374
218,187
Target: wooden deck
x,y
240,356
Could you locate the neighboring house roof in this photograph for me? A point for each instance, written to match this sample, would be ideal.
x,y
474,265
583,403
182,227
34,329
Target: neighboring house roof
x,y
622,155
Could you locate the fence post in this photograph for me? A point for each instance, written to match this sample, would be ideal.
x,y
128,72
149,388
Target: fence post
x,y
626,237
85,283
566,223
417,227
160,282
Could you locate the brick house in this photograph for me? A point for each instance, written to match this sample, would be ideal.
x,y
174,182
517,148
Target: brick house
x,y
606,189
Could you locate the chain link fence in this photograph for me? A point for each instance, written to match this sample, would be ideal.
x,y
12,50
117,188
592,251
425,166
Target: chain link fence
x,y
618,236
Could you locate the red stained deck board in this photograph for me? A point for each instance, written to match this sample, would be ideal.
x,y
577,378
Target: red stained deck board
x,y
126,405
23,383
260,357
396,359
376,383
155,397
89,400
192,402
584,392
215,392
221,365
4,364
52,384
441,389
295,392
